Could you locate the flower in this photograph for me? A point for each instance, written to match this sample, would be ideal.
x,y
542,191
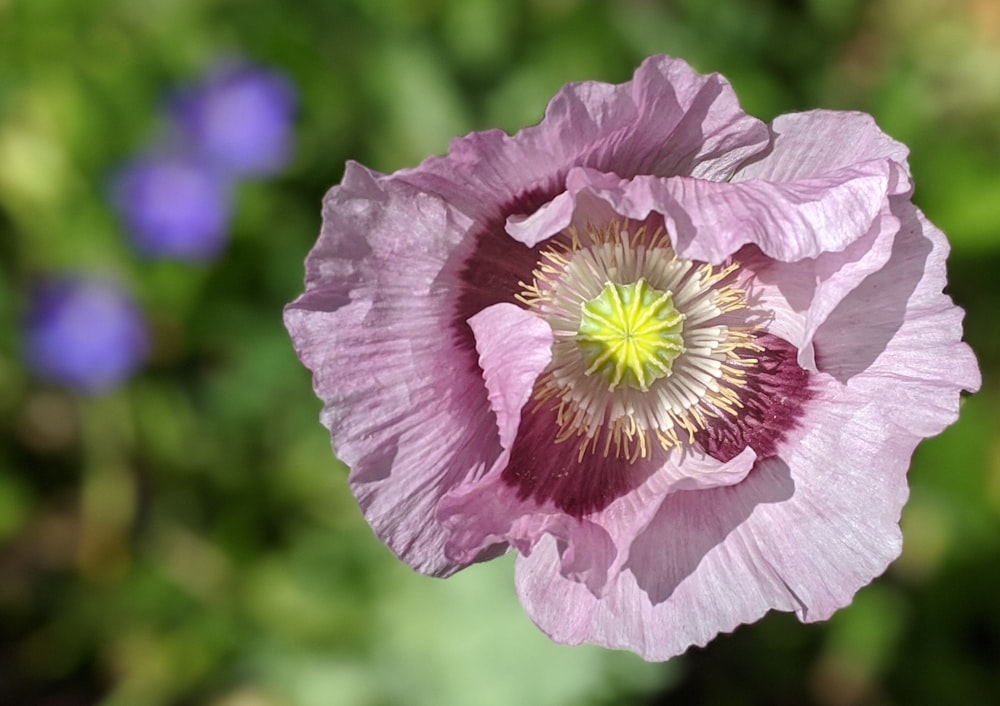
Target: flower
x,y
677,358
239,118
173,205
84,332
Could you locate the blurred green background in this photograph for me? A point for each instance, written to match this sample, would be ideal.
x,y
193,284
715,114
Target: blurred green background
x,y
189,539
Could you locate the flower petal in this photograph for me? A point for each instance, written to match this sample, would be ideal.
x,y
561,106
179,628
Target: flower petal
x,y
710,221
807,145
678,586
820,142
801,295
900,334
802,533
514,347
545,222
668,120
407,411
483,516
811,525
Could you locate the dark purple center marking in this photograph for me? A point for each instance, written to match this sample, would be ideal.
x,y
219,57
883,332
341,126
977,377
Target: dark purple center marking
x,y
544,471
775,391
495,263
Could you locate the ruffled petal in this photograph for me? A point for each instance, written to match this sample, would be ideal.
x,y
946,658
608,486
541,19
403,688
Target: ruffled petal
x,y
407,410
812,524
545,222
688,576
802,533
819,142
711,221
668,120
489,514
898,335
514,347
801,295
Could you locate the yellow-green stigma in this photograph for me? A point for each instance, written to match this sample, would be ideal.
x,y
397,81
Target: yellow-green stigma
x,y
630,334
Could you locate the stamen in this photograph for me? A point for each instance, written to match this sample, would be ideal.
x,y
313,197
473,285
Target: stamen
x,y
646,349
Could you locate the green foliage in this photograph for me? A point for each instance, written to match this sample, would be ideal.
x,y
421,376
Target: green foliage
x,y
190,539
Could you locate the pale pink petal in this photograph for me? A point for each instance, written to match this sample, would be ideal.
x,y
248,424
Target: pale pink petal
x,y
489,514
802,533
514,347
710,221
668,120
545,222
801,295
818,142
400,400
788,221
807,145
696,582
898,333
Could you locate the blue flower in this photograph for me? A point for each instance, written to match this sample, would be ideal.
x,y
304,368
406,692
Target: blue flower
x,y
85,333
239,119
174,205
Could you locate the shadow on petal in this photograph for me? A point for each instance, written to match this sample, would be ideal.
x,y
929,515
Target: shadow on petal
x,y
858,331
691,524
379,464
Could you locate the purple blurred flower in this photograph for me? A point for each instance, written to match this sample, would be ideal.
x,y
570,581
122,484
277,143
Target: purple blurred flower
x,y
677,358
173,206
84,333
240,119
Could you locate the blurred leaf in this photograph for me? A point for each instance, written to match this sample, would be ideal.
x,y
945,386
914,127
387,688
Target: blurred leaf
x,y
15,504
419,103
959,188
441,641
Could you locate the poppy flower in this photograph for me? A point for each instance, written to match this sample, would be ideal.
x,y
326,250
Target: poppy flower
x,y
678,359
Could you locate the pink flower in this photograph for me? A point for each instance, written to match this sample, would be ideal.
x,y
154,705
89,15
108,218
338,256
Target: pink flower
x,y
675,357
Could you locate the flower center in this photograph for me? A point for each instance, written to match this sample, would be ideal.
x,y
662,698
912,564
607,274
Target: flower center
x,y
630,334
648,348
